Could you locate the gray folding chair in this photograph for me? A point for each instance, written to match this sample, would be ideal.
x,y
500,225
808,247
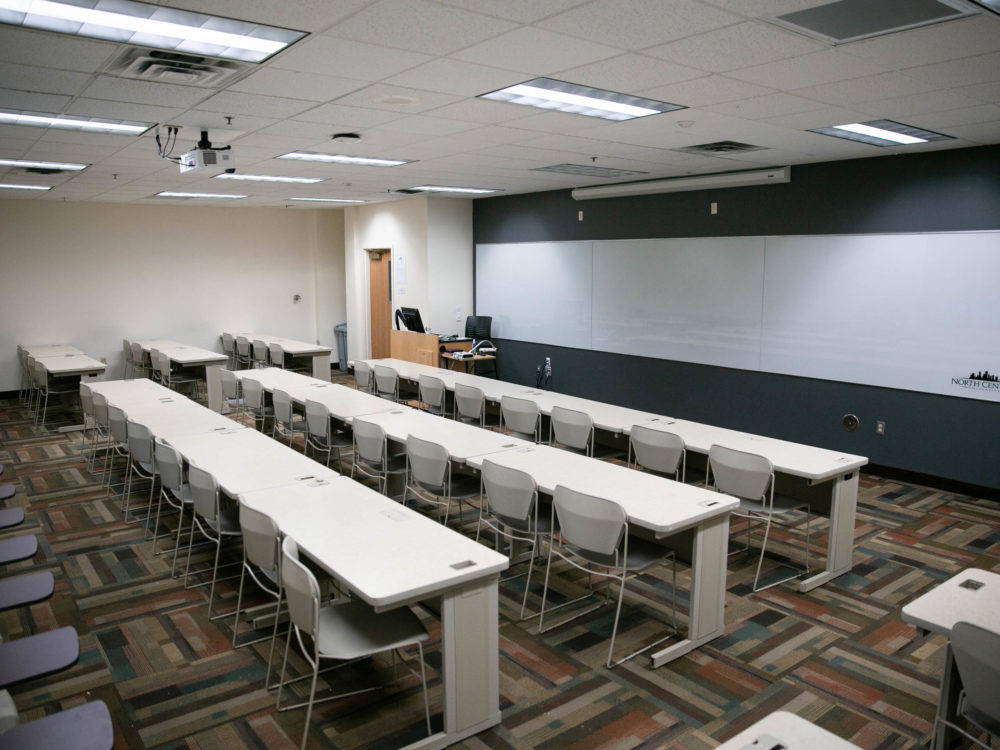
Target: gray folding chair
x,y
254,402
386,382
343,632
137,360
750,478
141,464
262,561
510,509
976,651
658,452
432,394
261,354
362,376
572,429
229,348
232,393
520,417
470,404
216,521
429,476
174,490
371,454
593,531
321,436
286,423
244,355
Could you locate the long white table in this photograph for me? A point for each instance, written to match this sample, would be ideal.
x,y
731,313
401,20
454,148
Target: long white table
x,y
827,479
319,355
971,596
391,556
343,402
661,506
192,356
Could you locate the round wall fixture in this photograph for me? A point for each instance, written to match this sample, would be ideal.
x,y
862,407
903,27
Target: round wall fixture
x,y
346,137
850,422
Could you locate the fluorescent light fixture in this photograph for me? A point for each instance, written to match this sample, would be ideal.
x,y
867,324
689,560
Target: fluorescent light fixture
x,y
266,178
718,181
172,194
151,26
882,133
327,200
25,164
4,186
548,93
446,189
363,161
64,122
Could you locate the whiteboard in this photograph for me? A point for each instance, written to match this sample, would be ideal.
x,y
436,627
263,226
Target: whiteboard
x,y
910,311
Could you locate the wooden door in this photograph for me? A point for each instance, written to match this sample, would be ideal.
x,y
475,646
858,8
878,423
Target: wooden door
x,y
380,300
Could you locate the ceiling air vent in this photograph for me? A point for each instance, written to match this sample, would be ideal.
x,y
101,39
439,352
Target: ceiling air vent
x,y
719,148
851,20
588,170
174,67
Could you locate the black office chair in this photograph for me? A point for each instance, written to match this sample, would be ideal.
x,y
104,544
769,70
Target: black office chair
x,y
478,327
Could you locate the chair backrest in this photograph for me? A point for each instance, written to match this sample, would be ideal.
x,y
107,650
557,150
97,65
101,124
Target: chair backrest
x,y
432,392
259,352
38,372
170,466
260,538
977,656
118,423
386,382
362,376
140,442
369,440
243,347
428,462
101,409
277,354
253,393
572,428
469,402
230,383
137,355
591,524
154,361
282,402
510,493
744,475
164,367
318,420
478,326
657,450
228,343
86,400
301,589
520,415
204,492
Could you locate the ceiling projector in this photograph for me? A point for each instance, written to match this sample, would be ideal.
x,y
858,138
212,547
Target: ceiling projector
x,y
208,160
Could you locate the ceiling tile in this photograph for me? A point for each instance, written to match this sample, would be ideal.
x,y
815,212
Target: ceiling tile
x,y
734,47
54,51
522,11
630,73
144,92
419,26
866,89
707,90
42,80
314,87
83,107
768,105
914,106
807,70
968,70
638,24
449,76
32,102
395,99
954,118
938,43
301,15
536,52
342,118
235,103
347,58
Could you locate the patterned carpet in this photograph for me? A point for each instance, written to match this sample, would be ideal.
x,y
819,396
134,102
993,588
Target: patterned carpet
x,y
839,656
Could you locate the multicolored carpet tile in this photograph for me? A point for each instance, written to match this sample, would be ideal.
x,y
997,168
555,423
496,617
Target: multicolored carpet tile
x,y
839,655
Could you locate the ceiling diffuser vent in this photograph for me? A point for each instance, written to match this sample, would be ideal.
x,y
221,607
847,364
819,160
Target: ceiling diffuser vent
x,y
174,67
719,148
851,20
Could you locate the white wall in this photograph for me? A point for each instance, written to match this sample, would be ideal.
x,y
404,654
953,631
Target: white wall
x,y
433,240
91,274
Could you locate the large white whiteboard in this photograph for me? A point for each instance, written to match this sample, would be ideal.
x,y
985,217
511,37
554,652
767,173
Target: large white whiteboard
x,y
911,311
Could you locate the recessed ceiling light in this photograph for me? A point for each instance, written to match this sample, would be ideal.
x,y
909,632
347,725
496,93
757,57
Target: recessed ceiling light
x,y
151,26
364,161
25,164
882,133
64,122
24,187
548,93
445,189
172,194
266,178
327,200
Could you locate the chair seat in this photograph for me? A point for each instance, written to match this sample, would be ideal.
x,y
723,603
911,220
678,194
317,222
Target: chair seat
x,y
227,523
973,714
7,491
782,504
544,525
394,463
354,629
36,655
11,517
86,727
18,548
20,590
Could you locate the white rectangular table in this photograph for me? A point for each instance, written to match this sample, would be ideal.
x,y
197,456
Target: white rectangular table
x,y
320,355
827,479
343,402
50,350
659,505
971,596
391,556
193,356
66,365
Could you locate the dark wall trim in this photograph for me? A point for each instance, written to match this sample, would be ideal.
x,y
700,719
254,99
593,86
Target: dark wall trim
x,y
932,435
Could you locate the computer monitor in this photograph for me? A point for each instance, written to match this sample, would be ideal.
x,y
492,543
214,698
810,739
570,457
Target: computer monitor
x,y
410,317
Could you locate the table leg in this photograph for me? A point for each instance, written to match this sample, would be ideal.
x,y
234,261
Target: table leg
x,y
708,589
214,383
840,546
470,665
321,366
951,686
